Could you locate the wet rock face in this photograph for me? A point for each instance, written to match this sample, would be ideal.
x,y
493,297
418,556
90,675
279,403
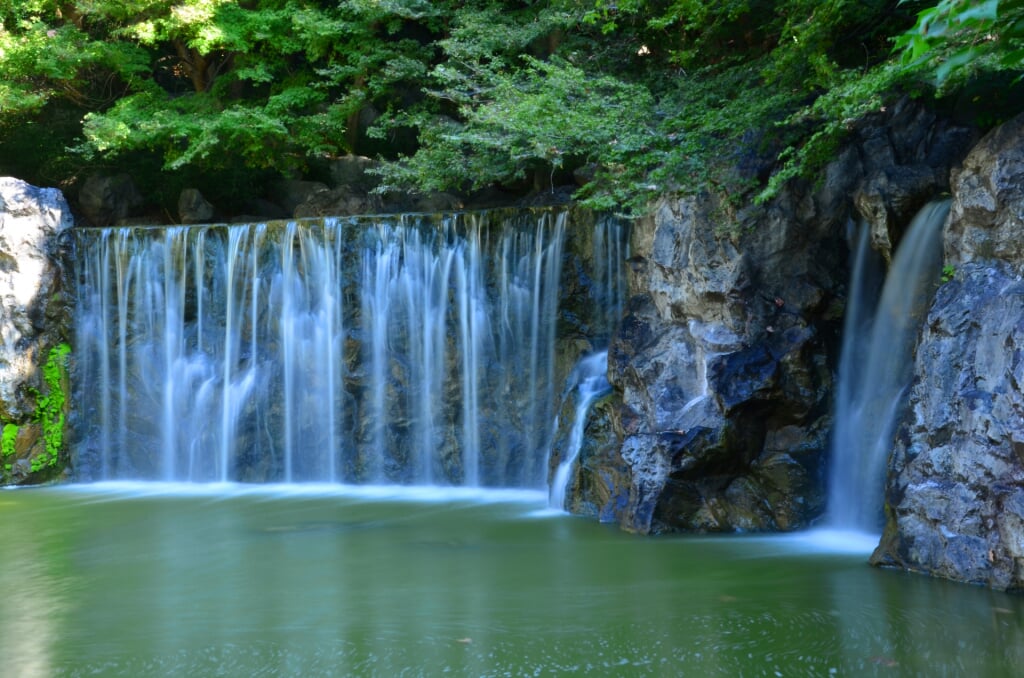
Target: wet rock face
x,y
724,359
34,315
721,362
955,495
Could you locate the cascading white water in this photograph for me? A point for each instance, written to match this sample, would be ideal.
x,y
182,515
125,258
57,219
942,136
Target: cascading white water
x,y
876,365
404,350
591,381
588,380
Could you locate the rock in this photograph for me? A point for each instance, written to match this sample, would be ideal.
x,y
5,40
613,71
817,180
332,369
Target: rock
x,y
338,202
291,193
719,351
723,362
259,210
987,217
889,199
437,201
35,314
107,200
265,210
193,208
353,172
906,161
32,221
584,174
955,492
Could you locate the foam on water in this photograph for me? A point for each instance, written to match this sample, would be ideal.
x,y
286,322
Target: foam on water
x,y
820,541
390,493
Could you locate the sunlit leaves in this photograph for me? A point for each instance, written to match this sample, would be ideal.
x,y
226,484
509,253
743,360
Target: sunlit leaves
x,y
957,37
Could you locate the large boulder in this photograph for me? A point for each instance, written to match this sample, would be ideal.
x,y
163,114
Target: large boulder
x,y
955,495
34,326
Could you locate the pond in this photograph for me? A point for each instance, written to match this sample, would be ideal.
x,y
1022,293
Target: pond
x,y
234,580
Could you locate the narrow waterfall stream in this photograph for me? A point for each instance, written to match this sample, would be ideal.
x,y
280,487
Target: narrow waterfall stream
x,y
411,350
591,381
876,365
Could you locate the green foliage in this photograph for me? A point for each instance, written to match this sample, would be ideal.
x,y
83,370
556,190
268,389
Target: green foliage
x,y
49,413
10,434
948,273
50,406
209,82
740,96
537,119
645,95
829,119
955,39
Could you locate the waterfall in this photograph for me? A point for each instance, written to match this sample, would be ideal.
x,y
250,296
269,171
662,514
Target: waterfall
x,y
413,350
590,376
606,284
876,364
609,252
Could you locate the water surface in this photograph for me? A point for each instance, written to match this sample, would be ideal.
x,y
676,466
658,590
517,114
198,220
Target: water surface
x,y
230,580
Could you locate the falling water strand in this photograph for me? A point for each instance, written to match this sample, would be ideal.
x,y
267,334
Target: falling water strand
x,y
592,383
876,367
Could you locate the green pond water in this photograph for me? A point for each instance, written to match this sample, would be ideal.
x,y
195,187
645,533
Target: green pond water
x,y
305,581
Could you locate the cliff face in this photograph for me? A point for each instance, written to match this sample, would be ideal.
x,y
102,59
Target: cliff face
x,y
955,496
723,364
34,326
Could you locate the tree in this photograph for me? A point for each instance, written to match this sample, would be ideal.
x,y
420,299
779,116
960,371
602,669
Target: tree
x,y
646,96
272,82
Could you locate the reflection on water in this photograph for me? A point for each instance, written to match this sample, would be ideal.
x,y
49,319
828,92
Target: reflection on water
x,y
264,582
33,585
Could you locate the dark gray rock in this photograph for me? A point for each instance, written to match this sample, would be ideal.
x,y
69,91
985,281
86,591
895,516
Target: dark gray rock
x,y
906,160
354,172
107,200
957,472
955,493
291,193
339,202
193,208
891,197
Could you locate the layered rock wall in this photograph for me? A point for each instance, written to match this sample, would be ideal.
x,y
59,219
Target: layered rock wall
x,y
955,496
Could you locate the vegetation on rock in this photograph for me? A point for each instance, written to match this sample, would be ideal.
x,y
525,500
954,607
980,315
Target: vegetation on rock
x,y
633,97
49,415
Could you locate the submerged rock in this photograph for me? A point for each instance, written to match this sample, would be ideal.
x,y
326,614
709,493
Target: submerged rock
x,y
955,495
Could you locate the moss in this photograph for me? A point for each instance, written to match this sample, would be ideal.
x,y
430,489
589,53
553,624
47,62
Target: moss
x,y
10,434
49,412
7,440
